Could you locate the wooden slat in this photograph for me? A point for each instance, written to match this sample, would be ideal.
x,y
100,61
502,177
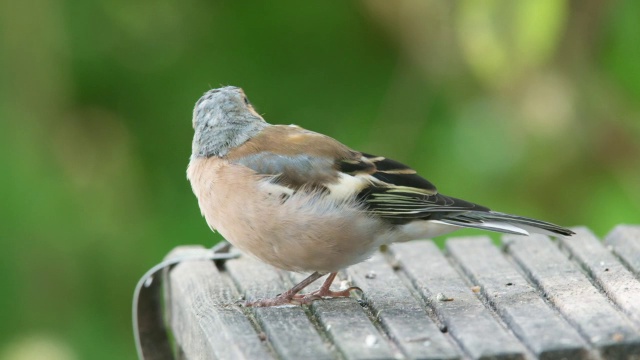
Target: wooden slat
x,y
571,292
615,279
465,316
540,327
351,331
205,321
565,301
625,243
400,314
288,328
349,327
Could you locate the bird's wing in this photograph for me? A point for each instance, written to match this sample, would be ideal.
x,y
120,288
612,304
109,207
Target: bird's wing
x,y
295,159
302,159
400,195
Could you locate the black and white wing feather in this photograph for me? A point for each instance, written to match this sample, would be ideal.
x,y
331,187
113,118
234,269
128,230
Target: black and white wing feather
x,y
399,195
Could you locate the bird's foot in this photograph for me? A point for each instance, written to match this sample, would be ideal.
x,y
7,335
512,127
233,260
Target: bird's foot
x,y
285,298
291,297
327,293
301,299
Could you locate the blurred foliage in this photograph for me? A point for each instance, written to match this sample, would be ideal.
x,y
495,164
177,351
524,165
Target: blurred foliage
x,y
530,107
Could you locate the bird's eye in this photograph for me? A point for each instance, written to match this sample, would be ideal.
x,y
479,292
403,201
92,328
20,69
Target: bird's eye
x,y
246,100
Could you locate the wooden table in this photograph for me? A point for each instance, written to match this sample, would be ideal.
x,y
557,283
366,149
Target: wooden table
x,y
572,298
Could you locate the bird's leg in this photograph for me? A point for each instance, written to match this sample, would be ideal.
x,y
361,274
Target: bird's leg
x,y
325,290
290,296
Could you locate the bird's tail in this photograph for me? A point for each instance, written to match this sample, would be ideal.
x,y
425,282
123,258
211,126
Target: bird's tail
x,y
505,223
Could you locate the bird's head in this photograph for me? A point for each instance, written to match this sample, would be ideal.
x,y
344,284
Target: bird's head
x,y
223,118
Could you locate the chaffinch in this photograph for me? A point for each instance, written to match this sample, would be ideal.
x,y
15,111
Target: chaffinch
x,y
302,201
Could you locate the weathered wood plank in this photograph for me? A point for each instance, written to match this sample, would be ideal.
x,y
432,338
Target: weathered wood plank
x,y
204,319
571,292
349,327
625,243
391,322
540,327
469,322
400,314
288,328
619,284
351,330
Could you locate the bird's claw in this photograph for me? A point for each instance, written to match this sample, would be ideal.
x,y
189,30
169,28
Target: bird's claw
x,y
300,299
325,293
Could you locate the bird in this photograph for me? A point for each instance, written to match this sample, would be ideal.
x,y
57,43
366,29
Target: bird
x,y
302,201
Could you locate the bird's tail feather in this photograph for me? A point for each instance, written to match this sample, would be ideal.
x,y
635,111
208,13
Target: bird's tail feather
x,y
505,223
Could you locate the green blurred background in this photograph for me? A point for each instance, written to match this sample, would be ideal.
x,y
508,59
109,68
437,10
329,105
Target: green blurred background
x,y
530,107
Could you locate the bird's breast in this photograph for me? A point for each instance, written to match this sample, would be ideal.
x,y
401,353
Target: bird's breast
x,y
296,231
